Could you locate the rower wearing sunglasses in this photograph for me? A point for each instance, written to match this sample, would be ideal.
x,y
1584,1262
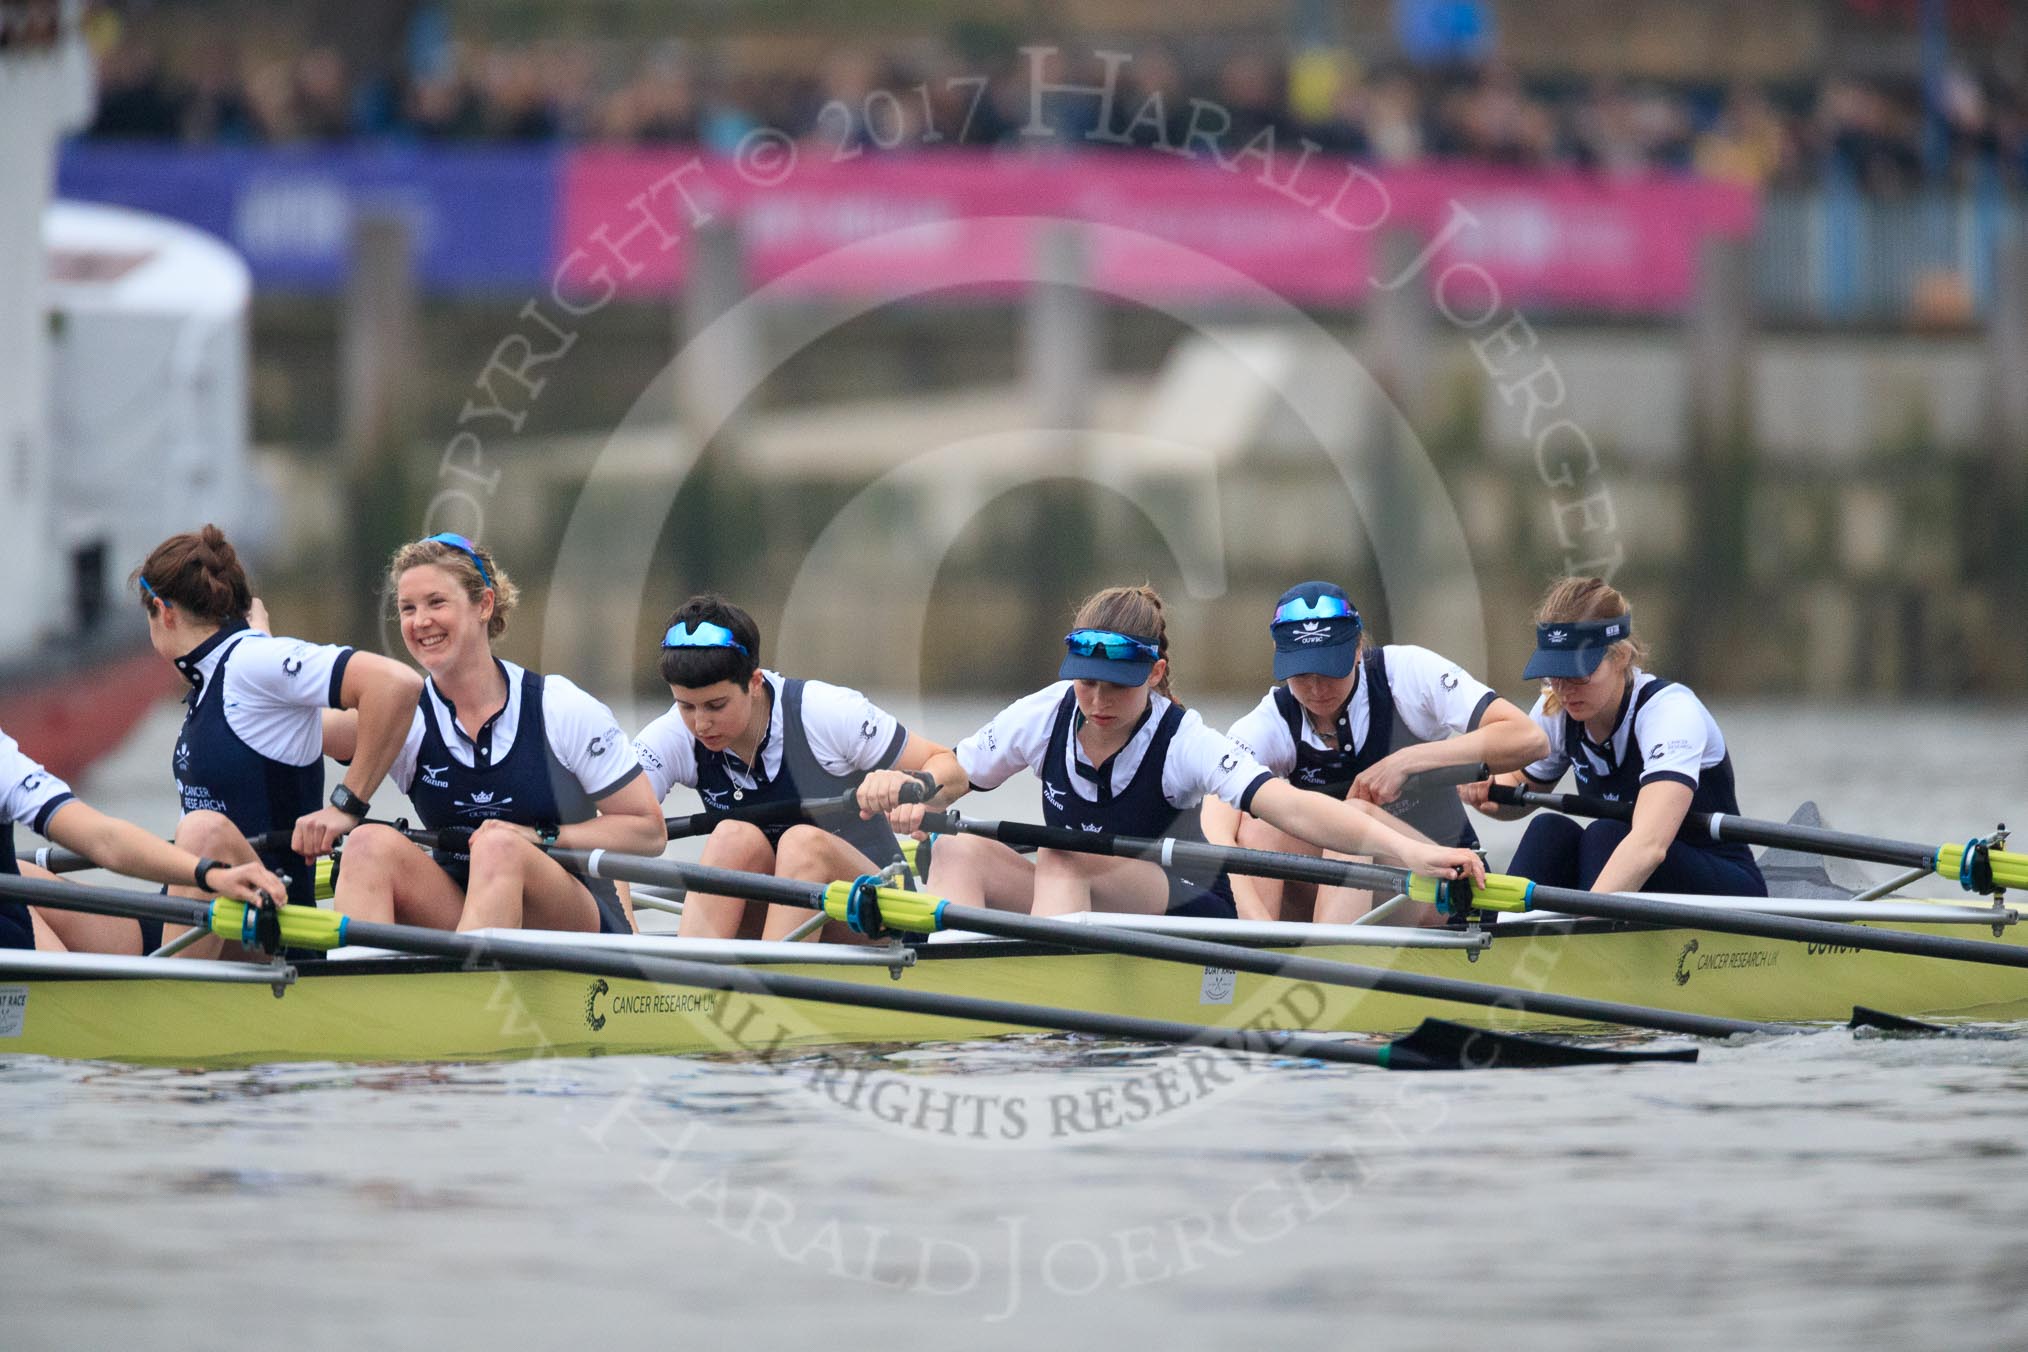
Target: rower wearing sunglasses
x,y
250,757
1357,719
1116,753
745,738
518,759
1629,736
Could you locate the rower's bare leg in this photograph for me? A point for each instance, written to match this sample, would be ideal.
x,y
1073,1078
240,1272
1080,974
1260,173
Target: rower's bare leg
x,y
77,932
46,938
514,884
813,855
1309,901
740,846
1067,882
388,878
210,835
975,871
1283,900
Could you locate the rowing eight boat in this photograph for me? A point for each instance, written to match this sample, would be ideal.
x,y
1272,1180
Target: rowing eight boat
x,y
375,1007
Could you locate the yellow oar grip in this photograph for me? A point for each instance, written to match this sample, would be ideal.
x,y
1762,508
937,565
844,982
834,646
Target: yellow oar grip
x,y
326,874
2009,869
301,926
1502,892
892,908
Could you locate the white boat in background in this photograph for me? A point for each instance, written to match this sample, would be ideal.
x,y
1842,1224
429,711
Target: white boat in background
x,y
123,409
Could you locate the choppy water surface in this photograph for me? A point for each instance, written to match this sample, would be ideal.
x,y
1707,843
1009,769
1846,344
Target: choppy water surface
x,y
1822,1189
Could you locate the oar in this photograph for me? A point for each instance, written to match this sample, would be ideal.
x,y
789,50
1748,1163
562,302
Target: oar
x,y
872,909
1503,892
59,860
816,811
1436,1045
1974,865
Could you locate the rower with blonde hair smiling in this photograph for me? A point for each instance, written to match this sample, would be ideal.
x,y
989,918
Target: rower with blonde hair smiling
x,y
519,759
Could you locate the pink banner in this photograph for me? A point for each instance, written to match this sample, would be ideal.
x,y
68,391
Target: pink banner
x,y
1179,229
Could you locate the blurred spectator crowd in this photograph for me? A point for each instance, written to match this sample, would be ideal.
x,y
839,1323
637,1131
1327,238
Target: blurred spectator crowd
x,y
1875,134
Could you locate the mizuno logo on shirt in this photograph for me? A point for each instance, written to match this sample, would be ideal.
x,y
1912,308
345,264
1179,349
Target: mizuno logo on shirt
x,y
433,775
716,799
1053,796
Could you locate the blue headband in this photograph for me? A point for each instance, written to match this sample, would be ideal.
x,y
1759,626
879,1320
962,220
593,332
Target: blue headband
x,y
702,635
465,547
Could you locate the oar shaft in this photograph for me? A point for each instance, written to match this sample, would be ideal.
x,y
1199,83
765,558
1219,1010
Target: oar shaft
x,y
1738,830
1321,971
508,951
1839,933
59,860
813,810
628,868
1297,868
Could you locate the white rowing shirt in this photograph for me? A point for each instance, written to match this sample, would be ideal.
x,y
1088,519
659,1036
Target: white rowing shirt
x,y
1676,738
29,794
1434,698
276,690
1202,761
582,734
848,734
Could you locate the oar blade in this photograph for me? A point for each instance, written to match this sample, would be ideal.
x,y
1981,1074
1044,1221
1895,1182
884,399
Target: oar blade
x,y
1439,1044
1881,1021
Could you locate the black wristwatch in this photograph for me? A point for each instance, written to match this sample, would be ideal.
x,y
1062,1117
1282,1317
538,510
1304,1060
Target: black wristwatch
x,y
547,833
203,871
350,803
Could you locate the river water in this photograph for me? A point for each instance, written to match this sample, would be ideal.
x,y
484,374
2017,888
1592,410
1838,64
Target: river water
x,y
1820,1190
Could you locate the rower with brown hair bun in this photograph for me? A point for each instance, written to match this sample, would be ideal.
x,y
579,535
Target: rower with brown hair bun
x,y
250,757
1630,737
1117,753
520,759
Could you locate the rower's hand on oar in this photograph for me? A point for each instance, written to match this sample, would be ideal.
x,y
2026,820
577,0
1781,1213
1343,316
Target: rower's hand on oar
x,y
1476,796
250,883
883,791
319,832
1446,863
1381,782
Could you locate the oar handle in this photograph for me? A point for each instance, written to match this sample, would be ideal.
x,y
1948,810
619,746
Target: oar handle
x,y
59,860
814,810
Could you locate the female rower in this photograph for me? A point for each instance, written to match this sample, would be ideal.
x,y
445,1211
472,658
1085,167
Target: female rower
x,y
1630,736
249,761
745,738
1116,753
1358,718
521,760
39,800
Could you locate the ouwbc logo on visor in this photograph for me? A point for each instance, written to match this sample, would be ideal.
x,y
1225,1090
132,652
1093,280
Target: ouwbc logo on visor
x,y
1572,650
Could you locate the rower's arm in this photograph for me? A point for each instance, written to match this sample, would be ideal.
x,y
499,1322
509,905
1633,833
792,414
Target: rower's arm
x,y
1220,821
1352,827
384,693
919,755
1659,810
1505,739
629,821
123,847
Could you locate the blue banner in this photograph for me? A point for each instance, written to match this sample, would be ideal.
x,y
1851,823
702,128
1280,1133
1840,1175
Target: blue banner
x,y
483,219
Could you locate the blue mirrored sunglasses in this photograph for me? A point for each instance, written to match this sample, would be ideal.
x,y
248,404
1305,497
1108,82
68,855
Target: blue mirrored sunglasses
x,y
701,636
468,549
1314,608
1110,646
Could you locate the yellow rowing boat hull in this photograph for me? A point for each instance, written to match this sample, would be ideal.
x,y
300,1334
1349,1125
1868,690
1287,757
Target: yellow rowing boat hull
x,y
419,1010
